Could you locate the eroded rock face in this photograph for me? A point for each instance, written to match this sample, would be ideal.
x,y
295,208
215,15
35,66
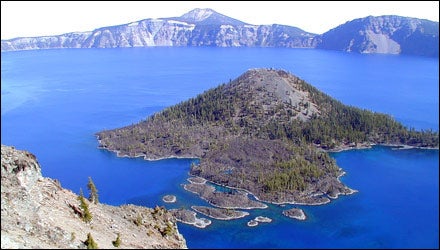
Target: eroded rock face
x,y
384,34
36,212
199,27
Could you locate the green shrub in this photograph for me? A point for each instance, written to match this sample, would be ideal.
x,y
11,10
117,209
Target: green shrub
x,y
138,220
117,242
90,242
93,192
86,215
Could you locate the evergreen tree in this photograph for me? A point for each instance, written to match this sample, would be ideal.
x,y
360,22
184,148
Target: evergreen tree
x,y
90,242
117,242
86,215
93,192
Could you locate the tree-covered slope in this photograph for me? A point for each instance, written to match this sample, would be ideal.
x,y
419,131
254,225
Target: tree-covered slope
x,y
263,132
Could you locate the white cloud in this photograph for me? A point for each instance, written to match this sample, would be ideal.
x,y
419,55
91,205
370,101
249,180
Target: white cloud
x,y
21,19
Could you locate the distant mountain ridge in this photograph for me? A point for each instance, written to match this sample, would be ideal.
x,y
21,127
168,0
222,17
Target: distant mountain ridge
x,y
206,27
384,34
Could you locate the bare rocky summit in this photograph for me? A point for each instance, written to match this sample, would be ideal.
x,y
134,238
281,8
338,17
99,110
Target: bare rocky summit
x,y
36,212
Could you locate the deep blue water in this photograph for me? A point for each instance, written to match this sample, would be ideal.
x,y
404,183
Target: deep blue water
x,y
53,101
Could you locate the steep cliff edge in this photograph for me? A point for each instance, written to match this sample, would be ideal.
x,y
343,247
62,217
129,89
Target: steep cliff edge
x,y
36,212
384,34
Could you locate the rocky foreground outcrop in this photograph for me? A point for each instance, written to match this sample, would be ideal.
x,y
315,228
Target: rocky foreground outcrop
x,y
36,212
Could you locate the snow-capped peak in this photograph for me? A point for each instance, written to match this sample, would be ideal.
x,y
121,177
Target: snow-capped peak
x,y
198,15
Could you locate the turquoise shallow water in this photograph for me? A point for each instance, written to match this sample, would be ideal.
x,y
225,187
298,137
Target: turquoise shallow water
x,y
54,101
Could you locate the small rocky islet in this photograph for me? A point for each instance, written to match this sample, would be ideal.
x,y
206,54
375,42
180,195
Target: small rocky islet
x,y
295,213
257,220
169,198
263,219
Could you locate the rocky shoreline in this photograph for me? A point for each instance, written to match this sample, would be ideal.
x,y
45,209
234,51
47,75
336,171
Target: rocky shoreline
x,y
220,213
197,180
190,217
315,199
225,202
233,200
346,147
353,146
144,156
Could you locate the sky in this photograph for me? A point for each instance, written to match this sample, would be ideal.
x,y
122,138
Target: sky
x,y
33,18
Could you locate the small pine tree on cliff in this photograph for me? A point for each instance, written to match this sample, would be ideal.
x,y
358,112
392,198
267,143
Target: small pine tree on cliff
x,y
93,192
90,242
86,216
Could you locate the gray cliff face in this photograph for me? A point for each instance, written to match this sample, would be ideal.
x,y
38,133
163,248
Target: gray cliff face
x,y
384,34
226,35
36,212
200,27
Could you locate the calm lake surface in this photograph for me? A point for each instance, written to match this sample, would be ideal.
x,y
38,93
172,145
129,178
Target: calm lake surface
x,y
54,101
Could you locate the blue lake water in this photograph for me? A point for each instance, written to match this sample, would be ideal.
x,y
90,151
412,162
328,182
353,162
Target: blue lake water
x,y
54,101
